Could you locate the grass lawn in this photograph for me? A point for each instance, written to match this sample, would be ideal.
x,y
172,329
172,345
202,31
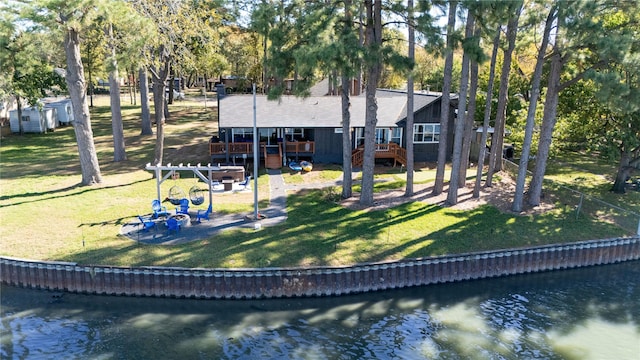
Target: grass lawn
x,y
45,215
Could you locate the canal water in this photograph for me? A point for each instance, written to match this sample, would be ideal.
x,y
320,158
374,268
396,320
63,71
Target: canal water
x,y
589,313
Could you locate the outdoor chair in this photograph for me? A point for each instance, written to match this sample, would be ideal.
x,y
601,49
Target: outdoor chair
x,y
158,209
173,225
246,184
184,207
203,214
147,224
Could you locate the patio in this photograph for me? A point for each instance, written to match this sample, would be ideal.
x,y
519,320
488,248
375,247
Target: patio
x,y
160,235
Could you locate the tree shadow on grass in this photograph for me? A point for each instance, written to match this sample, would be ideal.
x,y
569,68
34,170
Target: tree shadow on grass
x,y
42,196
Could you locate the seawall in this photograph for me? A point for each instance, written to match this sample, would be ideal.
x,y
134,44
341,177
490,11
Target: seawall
x,y
311,281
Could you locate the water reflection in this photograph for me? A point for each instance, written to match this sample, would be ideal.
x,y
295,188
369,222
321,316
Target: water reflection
x,y
591,313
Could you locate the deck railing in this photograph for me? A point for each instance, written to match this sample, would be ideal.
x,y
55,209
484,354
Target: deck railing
x,y
296,147
382,151
234,148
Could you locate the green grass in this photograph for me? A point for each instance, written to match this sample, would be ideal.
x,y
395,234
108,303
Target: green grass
x,y
46,215
592,176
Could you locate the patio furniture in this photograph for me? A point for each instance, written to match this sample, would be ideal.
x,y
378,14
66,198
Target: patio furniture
x,y
203,214
184,207
197,195
175,195
246,184
146,224
158,209
173,225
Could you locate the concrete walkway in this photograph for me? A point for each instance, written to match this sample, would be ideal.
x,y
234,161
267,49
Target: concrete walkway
x,y
276,213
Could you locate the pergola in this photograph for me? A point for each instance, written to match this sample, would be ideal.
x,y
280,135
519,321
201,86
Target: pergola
x,y
198,170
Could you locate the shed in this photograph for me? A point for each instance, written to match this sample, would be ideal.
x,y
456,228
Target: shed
x,y
64,111
34,120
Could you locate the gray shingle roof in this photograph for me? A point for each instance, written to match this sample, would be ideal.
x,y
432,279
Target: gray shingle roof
x,y
316,111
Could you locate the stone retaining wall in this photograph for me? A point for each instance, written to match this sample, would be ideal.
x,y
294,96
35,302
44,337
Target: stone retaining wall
x,y
317,281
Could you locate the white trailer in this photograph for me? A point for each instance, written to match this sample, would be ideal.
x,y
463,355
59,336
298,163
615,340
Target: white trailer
x,y
64,111
34,120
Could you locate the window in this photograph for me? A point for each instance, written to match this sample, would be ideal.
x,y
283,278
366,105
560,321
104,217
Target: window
x,y
396,136
359,137
294,133
242,134
26,118
268,136
382,136
426,133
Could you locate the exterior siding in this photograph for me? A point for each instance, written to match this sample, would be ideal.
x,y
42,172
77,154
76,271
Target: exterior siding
x,y
430,115
328,146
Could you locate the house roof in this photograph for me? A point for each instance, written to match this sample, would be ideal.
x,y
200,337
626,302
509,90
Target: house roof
x,y
315,111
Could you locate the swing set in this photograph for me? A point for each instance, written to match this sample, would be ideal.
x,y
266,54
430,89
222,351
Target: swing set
x,y
196,194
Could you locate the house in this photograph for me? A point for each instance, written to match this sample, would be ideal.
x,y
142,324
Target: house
x,y
34,120
311,128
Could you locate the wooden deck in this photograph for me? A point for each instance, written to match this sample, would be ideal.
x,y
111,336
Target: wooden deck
x,y
234,148
300,147
294,148
383,151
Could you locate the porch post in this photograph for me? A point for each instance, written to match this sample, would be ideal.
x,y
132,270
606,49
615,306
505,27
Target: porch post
x,y
158,180
226,145
284,147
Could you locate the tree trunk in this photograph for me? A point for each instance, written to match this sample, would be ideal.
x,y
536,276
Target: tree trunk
x,y
171,88
119,152
497,140
623,173
159,77
132,86
90,82
359,76
487,114
470,116
533,102
546,132
159,103
452,196
410,117
82,125
19,114
144,102
374,69
347,180
446,100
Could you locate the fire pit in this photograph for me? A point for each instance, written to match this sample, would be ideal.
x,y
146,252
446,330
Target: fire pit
x,y
182,219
